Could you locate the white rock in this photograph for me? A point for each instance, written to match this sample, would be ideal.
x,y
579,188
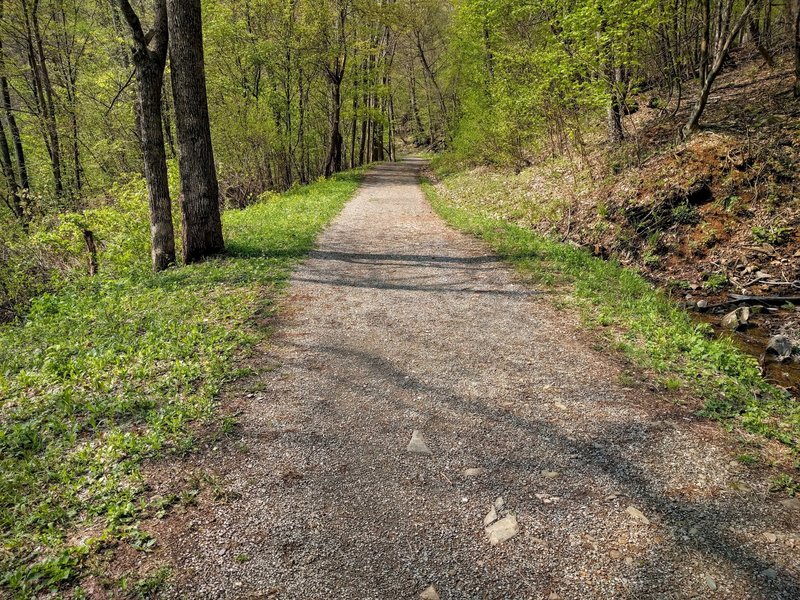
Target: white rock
x,y
637,514
502,530
417,444
430,593
474,472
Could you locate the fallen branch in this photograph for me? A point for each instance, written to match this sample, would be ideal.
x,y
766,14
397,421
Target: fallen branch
x,y
764,299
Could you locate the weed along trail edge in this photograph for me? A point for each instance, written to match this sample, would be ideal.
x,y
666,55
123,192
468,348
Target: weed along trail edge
x,y
435,428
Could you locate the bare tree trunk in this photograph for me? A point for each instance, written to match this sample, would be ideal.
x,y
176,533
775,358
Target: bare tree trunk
x,y
725,37
17,194
14,200
705,40
91,247
301,127
150,63
333,164
200,210
166,114
797,48
44,91
615,133
335,73
419,133
755,35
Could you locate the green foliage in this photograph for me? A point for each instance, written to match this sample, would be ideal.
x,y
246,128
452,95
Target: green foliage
x,y
109,371
657,334
785,483
536,73
685,214
777,236
715,282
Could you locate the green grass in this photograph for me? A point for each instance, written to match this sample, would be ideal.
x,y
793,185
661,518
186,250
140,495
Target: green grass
x,y
638,320
113,370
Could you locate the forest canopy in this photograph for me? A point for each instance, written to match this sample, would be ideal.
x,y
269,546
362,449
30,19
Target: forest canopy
x,y
93,100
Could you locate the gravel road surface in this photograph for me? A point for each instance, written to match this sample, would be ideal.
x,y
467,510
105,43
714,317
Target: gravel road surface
x,y
397,324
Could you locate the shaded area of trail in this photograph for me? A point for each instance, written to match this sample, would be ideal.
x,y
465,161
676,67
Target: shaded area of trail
x,y
397,323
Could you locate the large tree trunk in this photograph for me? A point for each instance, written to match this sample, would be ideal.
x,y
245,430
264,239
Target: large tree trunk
x,y
162,233
150,64
200,211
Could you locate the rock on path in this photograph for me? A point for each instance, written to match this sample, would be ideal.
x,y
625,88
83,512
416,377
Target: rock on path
x,y
397,323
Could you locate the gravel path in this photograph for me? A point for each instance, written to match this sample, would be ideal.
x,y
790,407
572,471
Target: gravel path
x,y
397,323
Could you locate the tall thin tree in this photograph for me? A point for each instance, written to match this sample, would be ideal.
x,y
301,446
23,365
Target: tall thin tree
x,y
150,58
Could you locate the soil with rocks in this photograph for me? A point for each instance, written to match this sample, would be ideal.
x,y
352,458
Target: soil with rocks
x,y
420,388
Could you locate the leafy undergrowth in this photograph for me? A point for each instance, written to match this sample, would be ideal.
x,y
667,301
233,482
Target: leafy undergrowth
x,y
113,370
643,322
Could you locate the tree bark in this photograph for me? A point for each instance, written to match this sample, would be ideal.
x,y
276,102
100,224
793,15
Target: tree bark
x,y
755,35
13,200
615,132
200,210
150,60
43,91
705,40
797,48
725,37
333,164
419,133
17,193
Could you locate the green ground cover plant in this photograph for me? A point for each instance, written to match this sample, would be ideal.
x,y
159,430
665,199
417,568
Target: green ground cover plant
x,y
109,371
638,319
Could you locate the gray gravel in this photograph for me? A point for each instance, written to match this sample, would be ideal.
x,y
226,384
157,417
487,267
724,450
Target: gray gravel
x,y
397,323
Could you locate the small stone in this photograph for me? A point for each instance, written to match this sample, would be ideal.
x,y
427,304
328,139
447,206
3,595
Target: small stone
x,y
791,503
780,346
560,405
417,444
637,514
490,517
550,474
502,530
769,574
554,596
712,585
474,472
615,554
771,537
540,541
500,504
737,318
629,560
702,304
430,593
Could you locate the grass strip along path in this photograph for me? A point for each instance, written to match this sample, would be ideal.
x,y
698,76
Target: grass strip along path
x,y
110,372
641,321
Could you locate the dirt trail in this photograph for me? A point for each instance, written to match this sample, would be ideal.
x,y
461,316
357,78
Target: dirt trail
x,y
397,323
